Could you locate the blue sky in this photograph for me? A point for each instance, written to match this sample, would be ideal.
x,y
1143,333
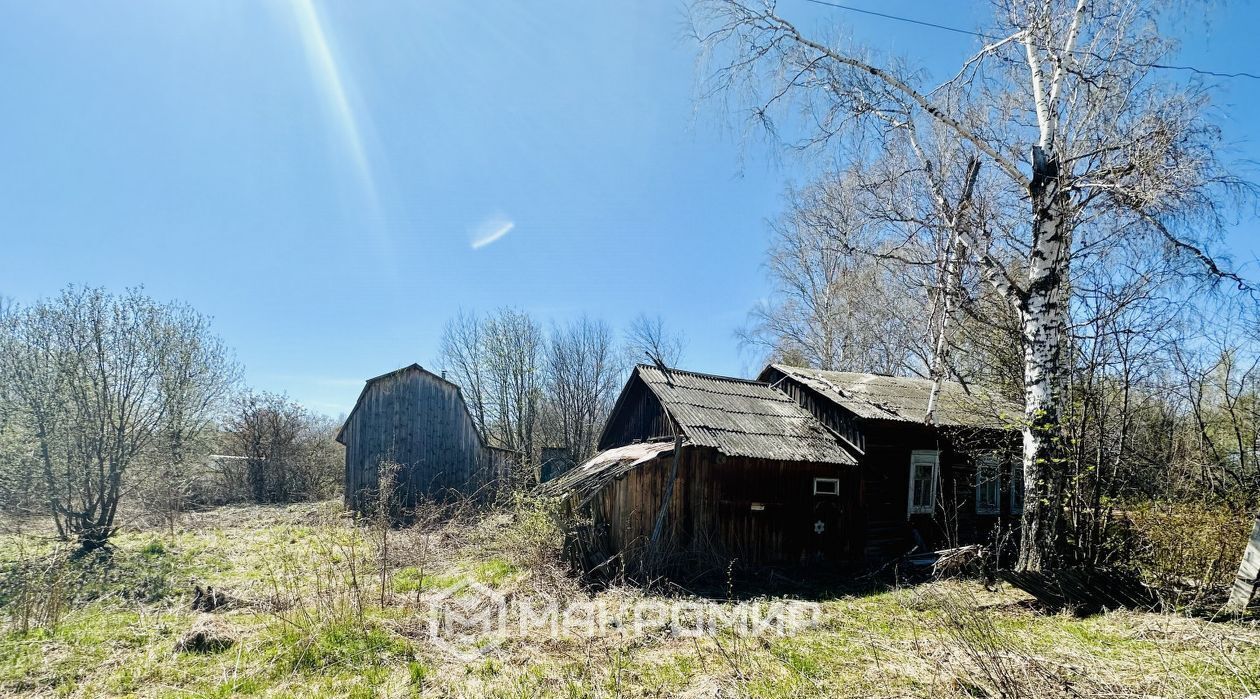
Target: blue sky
x,y
315,175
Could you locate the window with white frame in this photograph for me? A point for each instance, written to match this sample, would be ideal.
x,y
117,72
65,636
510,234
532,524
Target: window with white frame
x,y
924,470
826,486
1017,487
988,484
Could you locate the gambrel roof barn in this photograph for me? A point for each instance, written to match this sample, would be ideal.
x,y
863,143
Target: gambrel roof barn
x,y
418,420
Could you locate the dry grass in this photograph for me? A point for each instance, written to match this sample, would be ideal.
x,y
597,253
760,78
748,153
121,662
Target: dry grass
x,y
310,622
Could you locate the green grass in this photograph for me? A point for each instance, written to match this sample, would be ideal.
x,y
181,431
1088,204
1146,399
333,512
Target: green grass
x,y
341,644
410,579
311,624
494,572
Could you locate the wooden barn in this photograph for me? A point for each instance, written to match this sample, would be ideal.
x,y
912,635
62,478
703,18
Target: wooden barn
x,y
797,468
418,420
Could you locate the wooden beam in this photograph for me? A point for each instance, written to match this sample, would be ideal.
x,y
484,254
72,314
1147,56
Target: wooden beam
x,y
1244,589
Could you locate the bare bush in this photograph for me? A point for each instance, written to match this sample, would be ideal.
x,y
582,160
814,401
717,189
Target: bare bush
x,y
1187,551
99,382
281,451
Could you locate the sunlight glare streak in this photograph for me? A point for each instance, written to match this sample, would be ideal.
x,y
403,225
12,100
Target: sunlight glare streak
x,y
329,81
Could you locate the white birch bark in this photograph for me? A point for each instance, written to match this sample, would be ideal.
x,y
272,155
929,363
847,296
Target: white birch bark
x,y
1043,313
952,278
1244,588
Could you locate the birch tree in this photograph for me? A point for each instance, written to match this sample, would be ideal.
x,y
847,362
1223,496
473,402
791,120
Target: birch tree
x,y
1065,110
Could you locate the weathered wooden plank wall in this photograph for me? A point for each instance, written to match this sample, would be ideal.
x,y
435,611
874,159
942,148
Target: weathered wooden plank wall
x,y
643,419
756,511
711,512
420,422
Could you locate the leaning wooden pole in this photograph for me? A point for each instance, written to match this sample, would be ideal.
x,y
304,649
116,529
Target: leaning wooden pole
x,y
667,496
1244,589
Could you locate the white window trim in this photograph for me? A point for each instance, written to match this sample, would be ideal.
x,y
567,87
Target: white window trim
x,y
1017,470
833,481
993,461
915,457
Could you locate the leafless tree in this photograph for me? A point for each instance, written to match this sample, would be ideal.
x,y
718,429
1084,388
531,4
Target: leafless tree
x,y
198,377
832,309
1069,118
497,360
97,381
648,336
463,358
1218,382
514,348
20,477
528,388
287,451
583,369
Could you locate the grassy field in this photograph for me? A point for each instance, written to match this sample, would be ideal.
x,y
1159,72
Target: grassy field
x,y
314,613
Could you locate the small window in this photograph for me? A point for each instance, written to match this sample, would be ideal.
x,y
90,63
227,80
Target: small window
x,y
826,486
988,484
924,470
1017,488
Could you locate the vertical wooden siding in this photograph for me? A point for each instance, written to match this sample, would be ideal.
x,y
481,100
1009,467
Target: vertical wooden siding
x,y
642,418
710,516
420,422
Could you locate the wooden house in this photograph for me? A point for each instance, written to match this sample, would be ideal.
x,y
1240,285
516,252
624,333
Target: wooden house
x,y
794,468
956,481
418,420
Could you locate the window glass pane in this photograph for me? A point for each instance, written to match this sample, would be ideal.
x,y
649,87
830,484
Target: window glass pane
x,y
988,484
922,482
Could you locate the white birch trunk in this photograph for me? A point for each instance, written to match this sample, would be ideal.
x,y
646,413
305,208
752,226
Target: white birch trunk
x,y
952,280
1044,319
952,277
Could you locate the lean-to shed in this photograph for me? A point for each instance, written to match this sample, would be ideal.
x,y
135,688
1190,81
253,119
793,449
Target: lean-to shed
x,y
419,421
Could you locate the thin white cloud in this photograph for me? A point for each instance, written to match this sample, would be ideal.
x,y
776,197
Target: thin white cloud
x,y
491,230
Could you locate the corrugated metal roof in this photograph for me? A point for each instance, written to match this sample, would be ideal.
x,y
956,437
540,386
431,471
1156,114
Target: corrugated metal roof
x,y
901,399
739,417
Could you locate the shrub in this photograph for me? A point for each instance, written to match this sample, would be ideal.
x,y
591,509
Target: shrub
x,y
1187,549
